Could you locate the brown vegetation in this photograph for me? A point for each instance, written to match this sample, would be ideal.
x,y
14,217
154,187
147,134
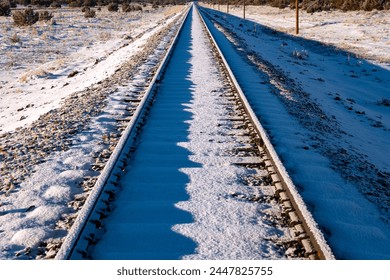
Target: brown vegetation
x,y
130,7
317,5
113,7
45,16
345,5
25,17
88,13
5,8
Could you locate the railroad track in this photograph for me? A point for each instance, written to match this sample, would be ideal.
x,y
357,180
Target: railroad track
x,y
194,167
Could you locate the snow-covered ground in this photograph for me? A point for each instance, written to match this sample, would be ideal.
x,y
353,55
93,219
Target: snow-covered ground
x,y
348,119
365,34
41,172
37,60
327,113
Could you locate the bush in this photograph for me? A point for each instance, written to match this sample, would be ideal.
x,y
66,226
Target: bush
x,y
369,5
88,13
137,8
24,2
130,8
101,3
316,6
312,6
45,16
5,8
25,17
281,3
55,5
76,4
42,3
113,7
15,39
350,5
126,7
89,3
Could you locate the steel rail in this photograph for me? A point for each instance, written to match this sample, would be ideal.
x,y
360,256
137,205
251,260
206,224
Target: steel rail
x,y
75,242
314,243
79,237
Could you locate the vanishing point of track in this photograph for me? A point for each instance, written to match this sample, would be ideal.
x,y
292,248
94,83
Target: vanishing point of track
x,y
251,149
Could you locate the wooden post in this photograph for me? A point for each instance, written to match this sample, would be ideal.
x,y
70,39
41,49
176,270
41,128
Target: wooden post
x,y
219,5
227,7
296,16
244,9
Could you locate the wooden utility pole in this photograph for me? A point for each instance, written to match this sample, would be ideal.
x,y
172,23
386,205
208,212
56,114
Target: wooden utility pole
x,y
244,9
296,16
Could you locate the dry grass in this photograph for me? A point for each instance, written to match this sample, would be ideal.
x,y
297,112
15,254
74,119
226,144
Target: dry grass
x,y
25,17
104,36
5,8
45,16
38,73
88,13
52,46
15,39
173,10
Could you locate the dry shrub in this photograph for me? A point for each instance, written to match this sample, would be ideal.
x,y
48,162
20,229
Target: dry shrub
x,y
24,2
130,7
25,17
350,5
280,3
89,3
88,13
137,8
45,16
345,5
369,5
76,4
15,39
126,7
104,36
113,7
5,8
316,6
56,5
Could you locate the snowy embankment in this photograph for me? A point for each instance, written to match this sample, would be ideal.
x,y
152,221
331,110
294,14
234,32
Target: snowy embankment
x,y
42,64
71,124
328,116
365,34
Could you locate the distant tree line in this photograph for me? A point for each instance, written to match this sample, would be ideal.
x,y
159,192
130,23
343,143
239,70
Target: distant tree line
x,y
316,5
308,5
6,5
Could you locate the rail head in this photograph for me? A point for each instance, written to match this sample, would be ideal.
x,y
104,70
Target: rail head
x,y
75,234
319,243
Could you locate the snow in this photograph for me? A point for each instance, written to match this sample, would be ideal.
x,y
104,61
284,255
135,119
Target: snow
x,y
34,72
186,210
332,152
28,237
351,31
29,215
345,85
